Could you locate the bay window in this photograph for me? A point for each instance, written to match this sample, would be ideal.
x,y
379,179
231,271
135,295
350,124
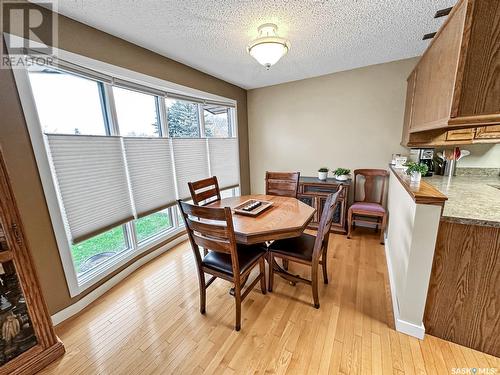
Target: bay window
x,y
119,155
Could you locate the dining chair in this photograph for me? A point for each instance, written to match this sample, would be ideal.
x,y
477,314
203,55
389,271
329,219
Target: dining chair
x,y
284,184
371,206
212,228
306,249
204,191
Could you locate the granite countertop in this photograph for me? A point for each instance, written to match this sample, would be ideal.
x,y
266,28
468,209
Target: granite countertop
x,y
471,199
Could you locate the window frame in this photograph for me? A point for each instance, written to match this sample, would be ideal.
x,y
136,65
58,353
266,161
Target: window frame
x,y
77,285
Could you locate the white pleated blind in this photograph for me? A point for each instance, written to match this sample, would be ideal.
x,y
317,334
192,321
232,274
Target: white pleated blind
x,y
151,175
92,183
191,162
224,161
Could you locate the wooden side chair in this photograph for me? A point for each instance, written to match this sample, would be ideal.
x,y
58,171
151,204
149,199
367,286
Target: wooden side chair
x,y
212,228
306,249
204,191
371,206
285,184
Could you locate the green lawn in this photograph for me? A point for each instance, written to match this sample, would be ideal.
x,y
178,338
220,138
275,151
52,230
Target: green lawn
x,y
113,241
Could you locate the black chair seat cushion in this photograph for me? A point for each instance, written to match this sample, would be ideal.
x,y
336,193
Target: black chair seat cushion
x,y
247,255
300,247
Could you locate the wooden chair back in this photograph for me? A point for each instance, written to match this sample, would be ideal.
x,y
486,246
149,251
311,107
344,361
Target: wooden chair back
x,y
204,191
325,224
371,177
212,229
284,184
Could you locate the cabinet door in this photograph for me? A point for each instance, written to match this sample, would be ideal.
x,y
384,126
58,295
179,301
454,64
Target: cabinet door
x,y
410,94
310,201
488,132
437,70
461,135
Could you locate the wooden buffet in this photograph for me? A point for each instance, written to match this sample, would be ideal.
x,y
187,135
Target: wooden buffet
x,y
314,192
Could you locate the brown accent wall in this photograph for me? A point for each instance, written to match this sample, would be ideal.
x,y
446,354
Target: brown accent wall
x,y
15,142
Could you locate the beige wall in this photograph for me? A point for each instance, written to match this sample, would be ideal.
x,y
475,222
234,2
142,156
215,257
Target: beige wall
x,y
481,156
14,140
351,119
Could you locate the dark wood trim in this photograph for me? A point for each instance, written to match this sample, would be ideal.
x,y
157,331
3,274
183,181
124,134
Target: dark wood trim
x,y
423,193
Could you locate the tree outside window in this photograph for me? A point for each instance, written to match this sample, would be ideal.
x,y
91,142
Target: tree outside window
x,y
182,119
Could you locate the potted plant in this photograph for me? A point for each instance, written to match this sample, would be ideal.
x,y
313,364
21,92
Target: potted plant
x,y
323,173
341,174
415,171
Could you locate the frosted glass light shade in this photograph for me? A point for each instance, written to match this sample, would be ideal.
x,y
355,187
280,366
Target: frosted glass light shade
x,y
268,49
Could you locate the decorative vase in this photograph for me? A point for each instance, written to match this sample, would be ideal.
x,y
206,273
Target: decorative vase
x,y
322,175
342,177
415,177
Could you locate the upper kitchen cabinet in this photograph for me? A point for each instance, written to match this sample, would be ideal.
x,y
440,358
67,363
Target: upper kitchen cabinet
x,y
456,83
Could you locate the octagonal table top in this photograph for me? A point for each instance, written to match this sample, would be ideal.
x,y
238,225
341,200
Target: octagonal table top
x,y
287,217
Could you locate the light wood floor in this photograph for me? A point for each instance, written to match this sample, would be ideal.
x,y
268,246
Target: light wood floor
x,y
150,323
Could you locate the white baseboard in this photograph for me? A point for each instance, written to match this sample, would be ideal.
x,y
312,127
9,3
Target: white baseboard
x,y
96,293
403,326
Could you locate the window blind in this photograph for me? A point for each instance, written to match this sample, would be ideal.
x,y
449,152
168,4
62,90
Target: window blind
x,y
224,161
151,174
191,162
92,183
137,87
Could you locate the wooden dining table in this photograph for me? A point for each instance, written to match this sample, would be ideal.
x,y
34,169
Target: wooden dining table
x,y
286,218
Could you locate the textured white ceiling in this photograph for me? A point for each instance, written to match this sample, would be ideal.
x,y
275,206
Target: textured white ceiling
x,y
211,35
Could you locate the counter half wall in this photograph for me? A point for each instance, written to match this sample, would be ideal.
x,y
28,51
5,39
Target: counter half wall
x,y
414,214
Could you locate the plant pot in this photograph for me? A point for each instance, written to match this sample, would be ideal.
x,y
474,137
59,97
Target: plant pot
x,y
342,177
322,175
415,177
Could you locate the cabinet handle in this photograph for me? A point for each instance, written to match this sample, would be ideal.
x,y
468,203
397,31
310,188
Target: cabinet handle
x,y
17,235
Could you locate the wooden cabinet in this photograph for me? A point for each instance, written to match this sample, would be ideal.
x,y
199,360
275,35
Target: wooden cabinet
x,y
463,301
456,82
314,192
27,339
460,135
410,95
435,83
488,132
433,138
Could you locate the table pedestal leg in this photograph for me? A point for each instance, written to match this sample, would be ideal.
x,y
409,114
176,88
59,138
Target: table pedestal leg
x,y
282,271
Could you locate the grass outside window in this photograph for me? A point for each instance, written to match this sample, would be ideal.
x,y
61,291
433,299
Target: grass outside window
x,y
94,251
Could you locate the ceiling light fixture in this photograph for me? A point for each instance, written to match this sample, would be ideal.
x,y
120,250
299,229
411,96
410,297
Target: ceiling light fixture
x,y
268,48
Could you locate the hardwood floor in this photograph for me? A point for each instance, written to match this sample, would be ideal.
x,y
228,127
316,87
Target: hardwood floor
x,y
150,323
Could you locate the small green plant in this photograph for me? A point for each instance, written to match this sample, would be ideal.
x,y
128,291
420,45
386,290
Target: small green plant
x,y
416,167
341,171
323,169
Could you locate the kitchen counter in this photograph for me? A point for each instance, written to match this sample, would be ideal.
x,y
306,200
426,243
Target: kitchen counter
x,y
471,199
